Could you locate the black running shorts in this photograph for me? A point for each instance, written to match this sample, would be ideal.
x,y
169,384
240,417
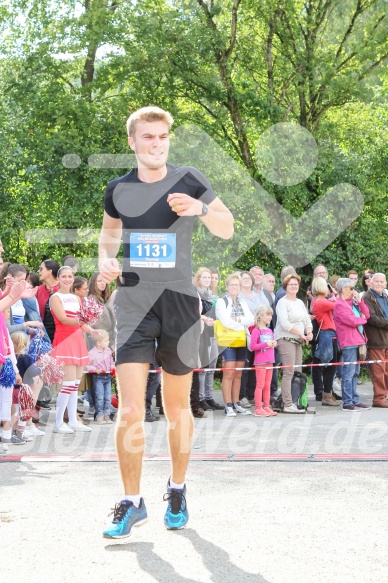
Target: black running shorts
x,y
170,315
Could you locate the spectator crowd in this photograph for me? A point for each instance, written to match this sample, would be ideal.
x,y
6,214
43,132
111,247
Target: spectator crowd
x,y
248,329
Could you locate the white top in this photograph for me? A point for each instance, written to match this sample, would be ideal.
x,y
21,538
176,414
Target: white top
x,y
223,314
18,310
70,304
291,314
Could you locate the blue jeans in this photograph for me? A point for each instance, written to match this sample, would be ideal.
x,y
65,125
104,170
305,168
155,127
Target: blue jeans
x,y
350,374
102,393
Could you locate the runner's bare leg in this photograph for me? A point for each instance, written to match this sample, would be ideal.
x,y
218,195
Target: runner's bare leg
x,y
176,404
132,380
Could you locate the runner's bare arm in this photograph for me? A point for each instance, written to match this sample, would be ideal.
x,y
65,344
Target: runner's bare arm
x,y
219,219
109,245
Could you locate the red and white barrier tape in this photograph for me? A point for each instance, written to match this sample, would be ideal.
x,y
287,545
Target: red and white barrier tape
x,y
280,366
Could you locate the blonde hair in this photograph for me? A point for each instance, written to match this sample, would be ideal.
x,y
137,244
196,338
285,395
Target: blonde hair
x,y
198,275
232,276
260,312
319,286
148,114
98,335
20,342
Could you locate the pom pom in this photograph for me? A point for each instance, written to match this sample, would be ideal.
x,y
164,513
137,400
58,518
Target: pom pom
x,y
52,371
7,374
38,346
91,311
26,404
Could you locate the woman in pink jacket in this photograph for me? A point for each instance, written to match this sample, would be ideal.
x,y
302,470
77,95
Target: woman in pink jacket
x,y
350,315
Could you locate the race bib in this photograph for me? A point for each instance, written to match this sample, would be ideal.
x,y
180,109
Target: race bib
x,y
152,250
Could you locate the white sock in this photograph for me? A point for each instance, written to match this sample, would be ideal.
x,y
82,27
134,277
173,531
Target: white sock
x,y
7,433
135,499
61,404
175,486
72,407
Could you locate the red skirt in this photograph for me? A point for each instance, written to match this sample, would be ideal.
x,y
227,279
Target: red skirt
x,y
69,346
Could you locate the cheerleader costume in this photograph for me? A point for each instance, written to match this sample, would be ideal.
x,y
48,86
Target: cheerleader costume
x,y
69,345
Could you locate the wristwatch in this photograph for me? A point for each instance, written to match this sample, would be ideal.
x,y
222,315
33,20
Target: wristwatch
x,y
205,210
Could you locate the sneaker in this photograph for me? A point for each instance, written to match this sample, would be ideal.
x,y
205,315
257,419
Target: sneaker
x,y
229,412
261,413
108,420
14,439
125,515
318,397
91,411
270,411
150,416
62,428
351,407
245,403
177,514
78,426
361,406
100,420
26,435
293,409
241,410
33,430
336,397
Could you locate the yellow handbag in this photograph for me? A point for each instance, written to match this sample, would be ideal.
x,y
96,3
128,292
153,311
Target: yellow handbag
x,y
228,337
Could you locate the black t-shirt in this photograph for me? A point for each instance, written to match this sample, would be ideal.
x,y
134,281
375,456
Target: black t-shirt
x,y
48,321
156,242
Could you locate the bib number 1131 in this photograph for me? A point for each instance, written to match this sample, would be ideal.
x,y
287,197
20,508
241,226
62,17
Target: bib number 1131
x,y
156,250
152,250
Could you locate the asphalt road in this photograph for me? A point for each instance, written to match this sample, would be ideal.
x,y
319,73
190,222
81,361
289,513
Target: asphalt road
x,y
250,521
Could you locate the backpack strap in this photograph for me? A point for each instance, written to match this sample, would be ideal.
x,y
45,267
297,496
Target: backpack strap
x,y
225,300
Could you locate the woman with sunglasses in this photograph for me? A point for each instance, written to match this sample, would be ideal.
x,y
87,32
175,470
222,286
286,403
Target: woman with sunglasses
x,y
366,281
350,315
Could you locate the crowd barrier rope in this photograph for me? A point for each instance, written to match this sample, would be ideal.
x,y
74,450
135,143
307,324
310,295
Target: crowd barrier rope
x,y
281,366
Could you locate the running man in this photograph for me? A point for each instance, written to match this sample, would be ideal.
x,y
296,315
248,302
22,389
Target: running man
x,y
153,210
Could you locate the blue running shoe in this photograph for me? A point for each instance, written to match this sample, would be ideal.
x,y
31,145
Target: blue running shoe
x,y
125,515
177,514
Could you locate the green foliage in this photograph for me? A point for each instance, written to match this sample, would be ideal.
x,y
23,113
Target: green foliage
x,y
71,73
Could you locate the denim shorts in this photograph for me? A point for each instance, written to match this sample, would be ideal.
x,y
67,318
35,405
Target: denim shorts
x,y
235,354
